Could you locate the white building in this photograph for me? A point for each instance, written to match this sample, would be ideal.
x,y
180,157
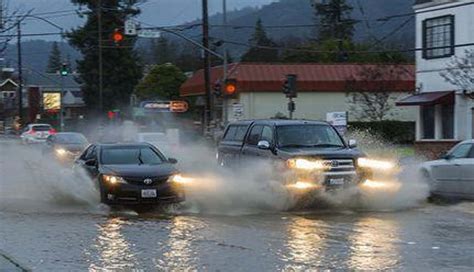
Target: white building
x,y
444,29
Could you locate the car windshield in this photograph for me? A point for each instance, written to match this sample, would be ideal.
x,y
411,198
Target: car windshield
x,y
130,155
71,139
42,127
158,137
308,136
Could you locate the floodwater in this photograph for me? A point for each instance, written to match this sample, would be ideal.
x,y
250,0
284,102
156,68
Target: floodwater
x,y
72,232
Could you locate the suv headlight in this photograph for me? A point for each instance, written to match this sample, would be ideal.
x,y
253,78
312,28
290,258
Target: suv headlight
x,y
305,164
113,179
375,164
61,151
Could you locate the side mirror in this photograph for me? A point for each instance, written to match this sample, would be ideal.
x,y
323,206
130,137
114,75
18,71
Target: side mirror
x,y
172,160
91,162
265,145
352,143
446,157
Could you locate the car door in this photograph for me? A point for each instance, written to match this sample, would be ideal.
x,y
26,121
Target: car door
x,y
250,151
89,154
448,173
465,186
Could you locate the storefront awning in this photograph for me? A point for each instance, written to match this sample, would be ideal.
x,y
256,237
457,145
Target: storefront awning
x,y
427,99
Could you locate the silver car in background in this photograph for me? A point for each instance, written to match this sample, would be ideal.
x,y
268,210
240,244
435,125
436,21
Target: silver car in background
x,y
452,175
36,133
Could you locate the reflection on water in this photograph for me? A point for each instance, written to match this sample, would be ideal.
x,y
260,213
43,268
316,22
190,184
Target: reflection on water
x,y
373,245
178,253
305,244
114,250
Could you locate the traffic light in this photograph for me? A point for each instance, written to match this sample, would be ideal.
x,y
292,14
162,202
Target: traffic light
x,y
218,89
230,89
117,36
64,70
289,86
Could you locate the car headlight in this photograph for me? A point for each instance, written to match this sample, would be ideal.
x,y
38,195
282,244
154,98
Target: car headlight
x,y
113,179
374,164
305,164
179,179
61,151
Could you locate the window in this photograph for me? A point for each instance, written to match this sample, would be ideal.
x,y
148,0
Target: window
x,y
254,135
460,151
267,134
89,154
235,133
447,113
438,37
308,136
427,116
130,155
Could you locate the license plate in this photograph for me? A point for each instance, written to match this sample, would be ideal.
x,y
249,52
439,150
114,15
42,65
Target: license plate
x,y
149,193
336,181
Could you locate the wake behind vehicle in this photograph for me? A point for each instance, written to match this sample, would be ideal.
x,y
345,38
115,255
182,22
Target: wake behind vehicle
x,y
132,174
65,146
36,133
306,155
452,176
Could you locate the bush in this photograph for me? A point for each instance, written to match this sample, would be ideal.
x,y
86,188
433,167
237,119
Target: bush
x,y
397,132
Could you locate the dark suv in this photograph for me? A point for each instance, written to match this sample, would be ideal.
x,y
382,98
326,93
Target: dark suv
x,y
305,154
132,174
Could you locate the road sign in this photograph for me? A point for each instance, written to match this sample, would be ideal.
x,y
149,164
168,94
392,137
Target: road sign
x,y
130,27
149,33
338,120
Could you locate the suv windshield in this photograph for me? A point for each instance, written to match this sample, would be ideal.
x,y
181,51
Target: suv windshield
x,y
308,136
71,139
130,155
41,127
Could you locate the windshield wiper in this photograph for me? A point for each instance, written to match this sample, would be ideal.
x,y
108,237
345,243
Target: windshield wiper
x,y
140,157
326,145
295,145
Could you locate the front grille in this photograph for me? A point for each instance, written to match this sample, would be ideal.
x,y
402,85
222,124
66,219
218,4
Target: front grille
x,y
140,180
339,165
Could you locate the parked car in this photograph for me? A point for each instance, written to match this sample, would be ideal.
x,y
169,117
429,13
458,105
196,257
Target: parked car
x,y
452,175
36,133
307,155
132,174
65,146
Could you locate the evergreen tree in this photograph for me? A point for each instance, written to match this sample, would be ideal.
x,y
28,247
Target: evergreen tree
x,y
54,62
334,20
121,69
162,82
261,50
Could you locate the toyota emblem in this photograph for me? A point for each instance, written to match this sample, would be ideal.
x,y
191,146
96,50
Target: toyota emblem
x,y
334,163
148,181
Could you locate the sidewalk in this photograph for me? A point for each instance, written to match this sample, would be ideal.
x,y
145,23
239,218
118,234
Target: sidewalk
x,y
7,263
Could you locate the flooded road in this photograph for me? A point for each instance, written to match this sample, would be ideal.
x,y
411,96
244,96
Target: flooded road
x,y
50,220
431,237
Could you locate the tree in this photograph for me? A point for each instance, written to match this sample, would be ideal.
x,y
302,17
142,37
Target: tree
x,y
162,82
460,71
334,20
54,62
121,69
261,50
369,92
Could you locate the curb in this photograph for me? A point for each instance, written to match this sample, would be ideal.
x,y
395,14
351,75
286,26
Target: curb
x,y
14,263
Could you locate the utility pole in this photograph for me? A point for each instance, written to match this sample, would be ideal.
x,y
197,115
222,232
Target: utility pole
x,y
99,26
224,47
207,80
20,74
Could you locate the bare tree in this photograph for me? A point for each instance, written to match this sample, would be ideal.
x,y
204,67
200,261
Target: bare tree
x,y
460,71
9,20
369,92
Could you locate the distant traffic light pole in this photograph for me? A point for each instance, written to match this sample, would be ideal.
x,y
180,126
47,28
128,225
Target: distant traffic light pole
x,y
63,73
289,89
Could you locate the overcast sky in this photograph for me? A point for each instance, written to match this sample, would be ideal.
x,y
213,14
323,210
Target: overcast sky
x,y
155,12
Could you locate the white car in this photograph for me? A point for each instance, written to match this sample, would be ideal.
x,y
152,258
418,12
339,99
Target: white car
x,y
453,174
36,133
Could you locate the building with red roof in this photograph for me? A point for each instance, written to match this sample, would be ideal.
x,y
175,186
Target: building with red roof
x,y
321,88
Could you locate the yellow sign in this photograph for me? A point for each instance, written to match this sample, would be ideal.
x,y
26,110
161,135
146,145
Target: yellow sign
x,y
51,101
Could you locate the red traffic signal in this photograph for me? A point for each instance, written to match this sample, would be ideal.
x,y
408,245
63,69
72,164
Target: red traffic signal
x,y
117,36
230,87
